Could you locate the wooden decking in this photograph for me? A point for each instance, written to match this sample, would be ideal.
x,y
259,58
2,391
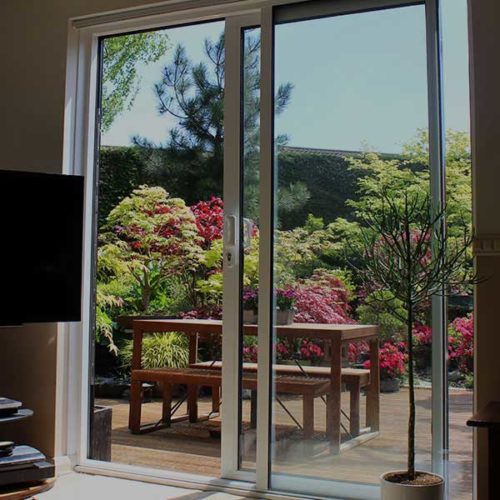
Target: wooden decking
x,y
193,448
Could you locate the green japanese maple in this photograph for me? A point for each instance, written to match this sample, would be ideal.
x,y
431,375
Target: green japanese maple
x,y
150,237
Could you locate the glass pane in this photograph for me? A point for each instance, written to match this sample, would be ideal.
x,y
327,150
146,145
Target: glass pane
x,y
159,252
250,92
350,144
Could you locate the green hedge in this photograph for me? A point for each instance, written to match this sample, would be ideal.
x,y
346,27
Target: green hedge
x,y
325,173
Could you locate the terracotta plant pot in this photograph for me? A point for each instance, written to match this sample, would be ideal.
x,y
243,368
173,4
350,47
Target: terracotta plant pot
x,y
249,317
284,317
397,491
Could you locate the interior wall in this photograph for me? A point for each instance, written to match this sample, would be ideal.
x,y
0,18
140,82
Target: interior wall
x,y
485,112
33,40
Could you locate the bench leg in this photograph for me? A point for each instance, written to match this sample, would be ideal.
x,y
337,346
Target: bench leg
x,y
192,403
134,418
308,416
167,404
215,399
354,417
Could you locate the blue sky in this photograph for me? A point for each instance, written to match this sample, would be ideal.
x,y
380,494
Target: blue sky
x,y
359,80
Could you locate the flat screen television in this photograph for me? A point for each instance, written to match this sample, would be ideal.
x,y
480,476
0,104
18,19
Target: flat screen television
x,y
41,225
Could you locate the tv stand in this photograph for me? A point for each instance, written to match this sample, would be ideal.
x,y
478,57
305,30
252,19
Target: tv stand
x,y
24,471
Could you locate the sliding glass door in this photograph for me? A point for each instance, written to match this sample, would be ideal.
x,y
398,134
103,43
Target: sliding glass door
x,y
350,124
244,157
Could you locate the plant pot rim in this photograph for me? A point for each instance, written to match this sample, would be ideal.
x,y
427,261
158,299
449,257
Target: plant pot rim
x,y
387,473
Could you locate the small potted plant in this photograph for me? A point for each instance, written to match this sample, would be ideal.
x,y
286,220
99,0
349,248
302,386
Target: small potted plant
x,y
285,300
250,306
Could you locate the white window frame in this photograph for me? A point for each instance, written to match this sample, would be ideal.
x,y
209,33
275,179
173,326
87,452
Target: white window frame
x,y
79,157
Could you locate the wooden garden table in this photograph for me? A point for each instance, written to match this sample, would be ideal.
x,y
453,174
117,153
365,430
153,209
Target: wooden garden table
x,y
334,335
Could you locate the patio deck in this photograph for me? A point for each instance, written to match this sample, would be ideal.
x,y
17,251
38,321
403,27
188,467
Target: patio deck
x,y
190,448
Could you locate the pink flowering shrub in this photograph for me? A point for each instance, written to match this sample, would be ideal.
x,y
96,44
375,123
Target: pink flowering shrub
x,y
250,354
203,312
422,334
392,359
209,217
461,343
323,298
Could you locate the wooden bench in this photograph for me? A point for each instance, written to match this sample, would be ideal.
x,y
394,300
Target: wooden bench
x,y
308,387
354,379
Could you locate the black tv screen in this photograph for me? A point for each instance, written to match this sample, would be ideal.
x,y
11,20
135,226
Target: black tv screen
x,y
41,225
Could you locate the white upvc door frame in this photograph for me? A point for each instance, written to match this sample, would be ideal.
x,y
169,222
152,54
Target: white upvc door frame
x,y
79,158
233,193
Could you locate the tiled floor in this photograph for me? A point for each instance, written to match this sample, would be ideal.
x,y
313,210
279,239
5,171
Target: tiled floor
x,y
86,487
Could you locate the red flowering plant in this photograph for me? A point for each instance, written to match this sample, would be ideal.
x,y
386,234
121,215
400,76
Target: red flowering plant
x,y
392,359
422,334
461,343
281,349
209,217
311,351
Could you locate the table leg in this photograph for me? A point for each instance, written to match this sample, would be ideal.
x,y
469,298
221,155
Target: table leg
x,y
355,391
192,401
137,349
193,348
333,400
373,392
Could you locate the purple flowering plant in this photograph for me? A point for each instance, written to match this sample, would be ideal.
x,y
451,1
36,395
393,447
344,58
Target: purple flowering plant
x,y
285,298
250,299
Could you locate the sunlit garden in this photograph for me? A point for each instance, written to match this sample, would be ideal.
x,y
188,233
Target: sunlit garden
x,y
358,240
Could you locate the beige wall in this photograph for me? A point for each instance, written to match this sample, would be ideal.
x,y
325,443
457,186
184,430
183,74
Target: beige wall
x,y
32,61
33,37
485,112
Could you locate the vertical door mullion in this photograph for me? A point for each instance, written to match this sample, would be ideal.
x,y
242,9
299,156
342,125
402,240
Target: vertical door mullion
x,y
231,262
438,195
264,378
233,194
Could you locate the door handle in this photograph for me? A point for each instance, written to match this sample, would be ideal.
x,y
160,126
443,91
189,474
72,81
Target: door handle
x,y
230,240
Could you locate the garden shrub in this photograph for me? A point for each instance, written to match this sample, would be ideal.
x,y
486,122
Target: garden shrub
x,y
376,311
461,343
159,350
322,298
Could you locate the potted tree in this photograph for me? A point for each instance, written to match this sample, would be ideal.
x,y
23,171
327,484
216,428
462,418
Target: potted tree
x,y
407,253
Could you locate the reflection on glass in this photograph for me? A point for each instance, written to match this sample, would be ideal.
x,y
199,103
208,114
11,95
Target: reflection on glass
x,y
352,127
459,195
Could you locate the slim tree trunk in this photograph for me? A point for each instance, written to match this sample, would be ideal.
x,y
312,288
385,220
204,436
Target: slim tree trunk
x,y
411,383
146,292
